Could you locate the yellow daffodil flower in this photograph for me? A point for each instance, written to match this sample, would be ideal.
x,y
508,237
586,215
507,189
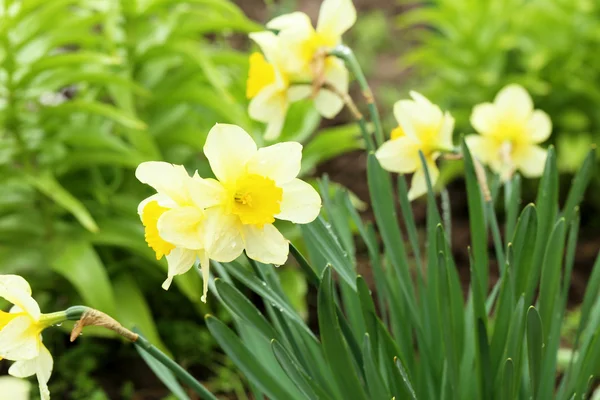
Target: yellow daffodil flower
x,y
510,132
298,54
14,388
422,126
255,187
268,85
20,333
178,226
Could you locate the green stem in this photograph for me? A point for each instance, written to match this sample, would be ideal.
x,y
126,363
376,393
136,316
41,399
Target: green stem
x,y
76,312
365,134
143,344
496,236
347,55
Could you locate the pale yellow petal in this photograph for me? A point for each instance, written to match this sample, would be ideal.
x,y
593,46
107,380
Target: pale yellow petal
x,y
19,340
513,101
446,131
399,155
483,118
205,193
23,368
418,186
336,17
270,106
402,113
336,74
298,92
420,99
41,366
539,127
222,235
182,227
17,291
268,43
205,269
530,160
161,199
290,21
279,162
265,244
328,104
14,388
228,148
167,179
179,262
301,203
483,148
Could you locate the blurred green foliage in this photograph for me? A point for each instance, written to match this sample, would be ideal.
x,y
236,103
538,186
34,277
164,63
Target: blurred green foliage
x,y
465,51
88,90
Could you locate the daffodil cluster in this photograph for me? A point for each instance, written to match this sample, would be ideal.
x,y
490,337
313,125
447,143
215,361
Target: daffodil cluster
x,y
192,218
510,134
20,334
295,65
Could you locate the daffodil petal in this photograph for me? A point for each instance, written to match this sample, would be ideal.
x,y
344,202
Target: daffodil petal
x,y
328,104
483,118
539,127
290,21
336,74
23,368
483,148
418,185
446,131
167,179
420,99
300,204
17,291
399,155
44,365
531,160
268,43
205,269
182,227
336,17
222,235
179,261
513,101
298,92
205,193
270,106
161,199
228,148
265,244
279,162
14,388
402,113
41,366
19,339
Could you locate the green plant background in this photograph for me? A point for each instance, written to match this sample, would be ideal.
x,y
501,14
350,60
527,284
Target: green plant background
x,y
88,90
91,88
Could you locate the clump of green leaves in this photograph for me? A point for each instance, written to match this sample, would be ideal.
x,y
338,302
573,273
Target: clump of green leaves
x,y
416,336
88,90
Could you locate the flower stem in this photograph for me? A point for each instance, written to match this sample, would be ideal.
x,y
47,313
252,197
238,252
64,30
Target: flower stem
x,y
95,317
347,55
358,117
143,344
